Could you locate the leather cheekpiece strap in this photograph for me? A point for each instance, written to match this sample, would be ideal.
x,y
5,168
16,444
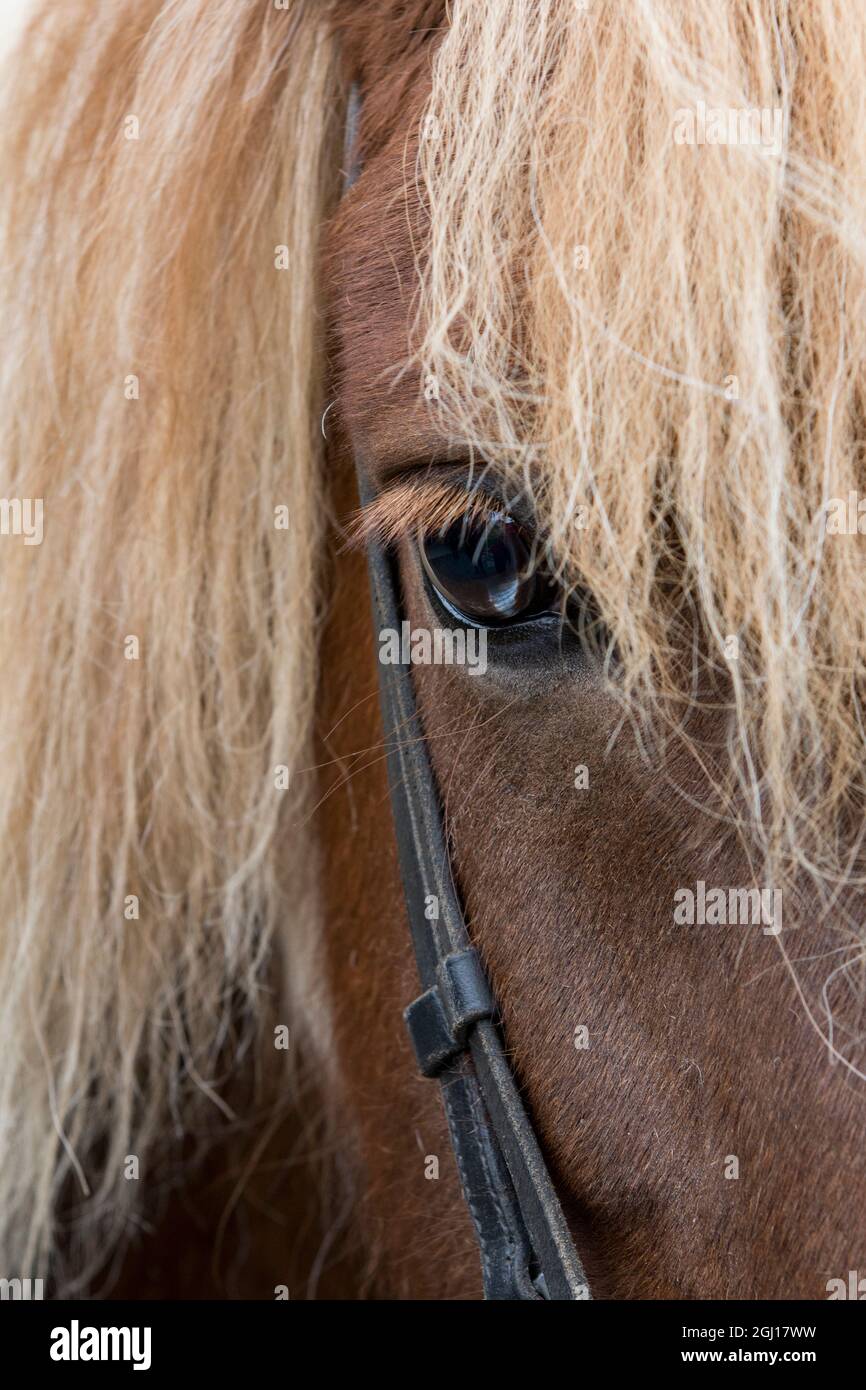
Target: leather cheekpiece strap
x,y
526,1248
439,1020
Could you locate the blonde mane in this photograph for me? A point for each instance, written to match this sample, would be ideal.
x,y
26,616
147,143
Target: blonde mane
x,y
667,344
161,387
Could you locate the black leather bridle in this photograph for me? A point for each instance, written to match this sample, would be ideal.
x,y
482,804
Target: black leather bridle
x,y
526,1248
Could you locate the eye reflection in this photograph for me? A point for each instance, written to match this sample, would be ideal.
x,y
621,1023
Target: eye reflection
x,y
483,571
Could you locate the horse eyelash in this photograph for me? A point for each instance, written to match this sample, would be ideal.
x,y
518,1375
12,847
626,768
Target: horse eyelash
x,y
411,507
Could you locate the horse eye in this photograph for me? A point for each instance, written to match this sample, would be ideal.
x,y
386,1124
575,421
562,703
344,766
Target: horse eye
x,y
484,572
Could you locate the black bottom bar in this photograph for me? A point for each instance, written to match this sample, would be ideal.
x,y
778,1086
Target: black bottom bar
x,y
301,1340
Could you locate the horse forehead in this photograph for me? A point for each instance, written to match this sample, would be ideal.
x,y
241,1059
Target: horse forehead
x,y
386,45
371,256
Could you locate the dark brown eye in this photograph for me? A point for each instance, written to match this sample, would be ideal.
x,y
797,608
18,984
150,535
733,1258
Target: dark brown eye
x,y
484,572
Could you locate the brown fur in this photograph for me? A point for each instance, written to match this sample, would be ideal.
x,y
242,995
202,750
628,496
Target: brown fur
x,y
699,1048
